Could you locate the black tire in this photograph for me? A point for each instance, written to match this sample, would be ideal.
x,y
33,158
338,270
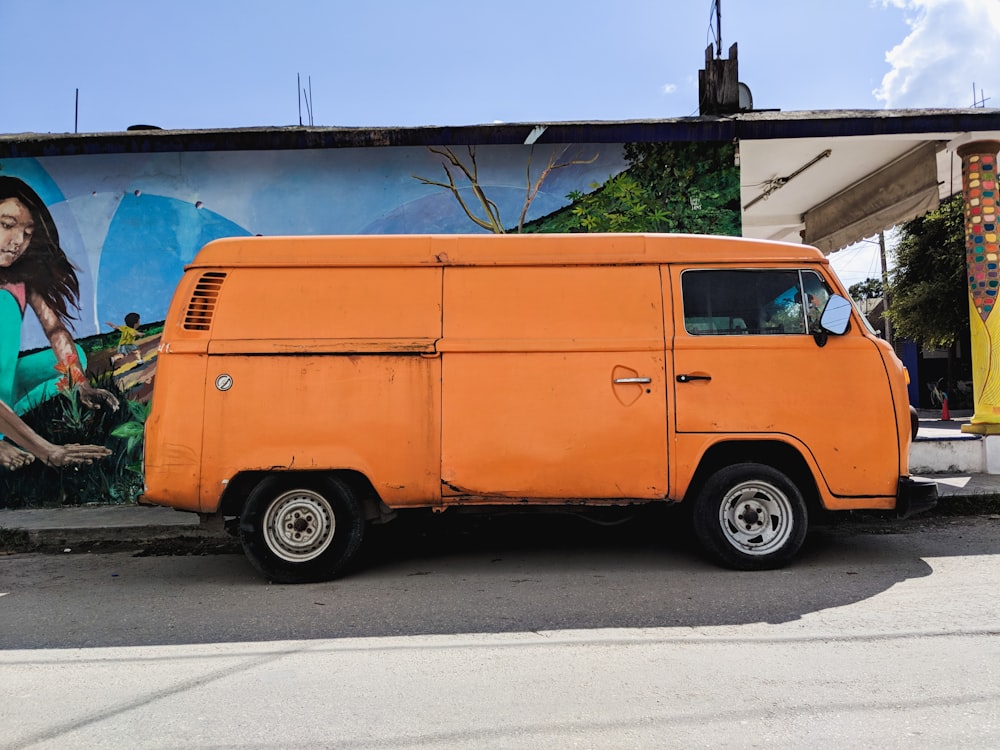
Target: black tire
x,y
750,517
301,529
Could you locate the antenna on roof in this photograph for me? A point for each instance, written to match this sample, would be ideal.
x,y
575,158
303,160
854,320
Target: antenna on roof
x,y
309,101
719,89
718,28
308,96
978,100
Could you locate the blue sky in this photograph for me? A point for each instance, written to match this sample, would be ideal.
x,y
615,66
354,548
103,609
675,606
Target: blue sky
x,y
234,63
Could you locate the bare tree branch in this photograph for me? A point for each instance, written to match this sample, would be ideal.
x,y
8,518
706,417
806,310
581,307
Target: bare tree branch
x,y
552,165
470,171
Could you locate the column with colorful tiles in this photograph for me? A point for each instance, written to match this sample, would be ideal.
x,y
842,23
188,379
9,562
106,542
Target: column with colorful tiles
x,y
979,186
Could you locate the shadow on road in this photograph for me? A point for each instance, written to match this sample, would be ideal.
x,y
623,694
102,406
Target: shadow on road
x,y
468,574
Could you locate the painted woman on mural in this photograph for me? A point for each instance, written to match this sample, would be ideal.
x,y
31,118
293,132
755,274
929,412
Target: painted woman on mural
x,y
35,273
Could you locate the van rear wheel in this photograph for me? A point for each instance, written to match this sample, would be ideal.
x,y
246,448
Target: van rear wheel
x,y
750,517
300,529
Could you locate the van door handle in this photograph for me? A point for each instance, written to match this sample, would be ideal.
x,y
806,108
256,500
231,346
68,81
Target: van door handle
x,y
619,381
689,378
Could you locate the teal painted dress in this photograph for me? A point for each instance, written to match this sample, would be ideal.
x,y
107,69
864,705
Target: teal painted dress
x,y
29,380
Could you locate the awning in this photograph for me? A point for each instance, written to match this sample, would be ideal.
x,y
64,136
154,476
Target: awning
x,y
902,190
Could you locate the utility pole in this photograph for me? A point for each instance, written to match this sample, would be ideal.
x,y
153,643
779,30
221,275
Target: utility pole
x,y
885,288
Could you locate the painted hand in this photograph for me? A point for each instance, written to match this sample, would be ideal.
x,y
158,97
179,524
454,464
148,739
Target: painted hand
x,y
95,398
74,454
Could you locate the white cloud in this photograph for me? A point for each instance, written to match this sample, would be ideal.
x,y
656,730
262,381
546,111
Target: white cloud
x,y
949,48
669,88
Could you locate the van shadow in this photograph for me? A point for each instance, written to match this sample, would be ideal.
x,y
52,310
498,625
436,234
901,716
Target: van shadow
x,y
515,573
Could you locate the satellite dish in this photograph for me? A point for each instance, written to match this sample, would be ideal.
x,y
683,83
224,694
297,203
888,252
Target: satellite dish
x,y
746,98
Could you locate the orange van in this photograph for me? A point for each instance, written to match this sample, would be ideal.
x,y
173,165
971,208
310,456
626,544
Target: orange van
x,y
310,386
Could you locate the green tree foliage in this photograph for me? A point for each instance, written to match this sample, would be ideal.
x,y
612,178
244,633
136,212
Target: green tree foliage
x,y
929,287
667,187
867,289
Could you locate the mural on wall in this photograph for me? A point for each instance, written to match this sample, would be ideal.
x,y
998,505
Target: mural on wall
x,y
92,247
35,274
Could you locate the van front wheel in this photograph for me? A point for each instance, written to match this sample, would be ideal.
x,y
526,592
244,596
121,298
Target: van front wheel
x,y
301,529
750,517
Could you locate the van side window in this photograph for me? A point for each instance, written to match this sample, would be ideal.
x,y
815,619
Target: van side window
x,y
741,302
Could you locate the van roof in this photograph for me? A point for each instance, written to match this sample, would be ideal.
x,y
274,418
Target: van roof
x,y
493,249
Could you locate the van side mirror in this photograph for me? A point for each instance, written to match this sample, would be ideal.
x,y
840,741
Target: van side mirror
x,y
836,315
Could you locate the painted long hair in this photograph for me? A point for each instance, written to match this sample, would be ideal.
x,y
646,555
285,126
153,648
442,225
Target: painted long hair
x,y
44,267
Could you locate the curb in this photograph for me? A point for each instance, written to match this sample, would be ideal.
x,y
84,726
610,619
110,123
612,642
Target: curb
x,y
121,536
106,525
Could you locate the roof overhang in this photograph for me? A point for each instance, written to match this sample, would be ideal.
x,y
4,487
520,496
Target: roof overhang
x,y
868,171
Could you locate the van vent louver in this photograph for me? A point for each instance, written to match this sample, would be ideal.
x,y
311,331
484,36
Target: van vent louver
x,y
201,307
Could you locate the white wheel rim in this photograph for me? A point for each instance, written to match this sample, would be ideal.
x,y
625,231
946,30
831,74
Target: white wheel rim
x,y
299,525
756,518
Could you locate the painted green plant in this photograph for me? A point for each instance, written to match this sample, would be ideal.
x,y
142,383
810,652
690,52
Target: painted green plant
x,y
132,433
74,419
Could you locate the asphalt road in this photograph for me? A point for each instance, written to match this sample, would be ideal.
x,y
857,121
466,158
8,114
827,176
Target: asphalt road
x,y
515,633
